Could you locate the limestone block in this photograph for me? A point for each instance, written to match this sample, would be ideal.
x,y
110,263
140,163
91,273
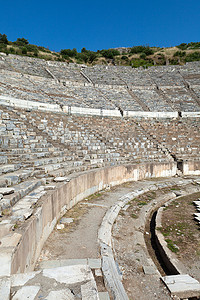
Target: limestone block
x,y
69,274
26,293
61,179
89,291
5,288
65,294
22,279
183,286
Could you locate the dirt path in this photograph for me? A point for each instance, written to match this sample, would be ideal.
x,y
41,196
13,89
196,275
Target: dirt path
x,y
79,239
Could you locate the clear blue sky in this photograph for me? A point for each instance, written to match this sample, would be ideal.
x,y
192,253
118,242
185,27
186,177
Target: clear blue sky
x,y
101,24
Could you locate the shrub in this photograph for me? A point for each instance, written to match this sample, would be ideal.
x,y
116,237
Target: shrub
x,y
193,45
3,39
143,55
136,63
192,56
12,50
21,42
110,53
124,57
179,53
31,48
174,61
182,46
24,50
141,49
69,52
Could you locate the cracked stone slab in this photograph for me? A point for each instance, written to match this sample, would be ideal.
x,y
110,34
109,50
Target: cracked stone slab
x,y
22,278
183,286
26,293
70,274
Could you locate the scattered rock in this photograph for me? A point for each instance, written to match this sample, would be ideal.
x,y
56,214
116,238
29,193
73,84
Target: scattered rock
x,y
49,187
61,179
60,226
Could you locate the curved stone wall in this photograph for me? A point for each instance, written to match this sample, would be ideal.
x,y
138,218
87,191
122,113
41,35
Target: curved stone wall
x,y
25,244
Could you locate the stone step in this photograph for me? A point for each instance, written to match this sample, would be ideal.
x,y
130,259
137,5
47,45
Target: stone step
x,y
3,159
15,177
93,263
7,168
24,208
67,283
46,161
20,191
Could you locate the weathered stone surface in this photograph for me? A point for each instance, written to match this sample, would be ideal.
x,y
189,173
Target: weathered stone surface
x,y
69,274
65,294
89,291
150,270
26,293
183,286
94,263
22,279
5,288
6,191
104,296
61,179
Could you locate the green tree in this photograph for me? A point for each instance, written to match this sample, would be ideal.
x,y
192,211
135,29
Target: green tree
x,y
69,52
3,39
21,42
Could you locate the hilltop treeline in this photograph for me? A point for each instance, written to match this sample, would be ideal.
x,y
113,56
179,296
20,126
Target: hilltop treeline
x,y
136,56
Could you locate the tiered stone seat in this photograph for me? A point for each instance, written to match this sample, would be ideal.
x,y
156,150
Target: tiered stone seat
x,y
103,75
197,92
152,100
181,99
134,78
64,72
100,140
25,153
193,80
28,65
180,137
35,88
166,77
121,98
4,65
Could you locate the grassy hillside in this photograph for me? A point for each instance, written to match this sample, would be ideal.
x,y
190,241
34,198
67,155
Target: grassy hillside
x,y
137,56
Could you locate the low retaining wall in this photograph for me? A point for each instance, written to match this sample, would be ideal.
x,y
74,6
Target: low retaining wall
x,y
26,245
171,262
27,104
191,167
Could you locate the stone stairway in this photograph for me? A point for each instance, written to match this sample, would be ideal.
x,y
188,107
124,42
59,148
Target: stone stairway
x,y
70,282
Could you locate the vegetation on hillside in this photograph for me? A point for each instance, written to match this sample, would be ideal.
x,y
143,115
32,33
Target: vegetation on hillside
x,y
137,56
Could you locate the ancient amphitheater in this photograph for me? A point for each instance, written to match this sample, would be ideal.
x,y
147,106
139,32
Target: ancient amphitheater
x,y
83,143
